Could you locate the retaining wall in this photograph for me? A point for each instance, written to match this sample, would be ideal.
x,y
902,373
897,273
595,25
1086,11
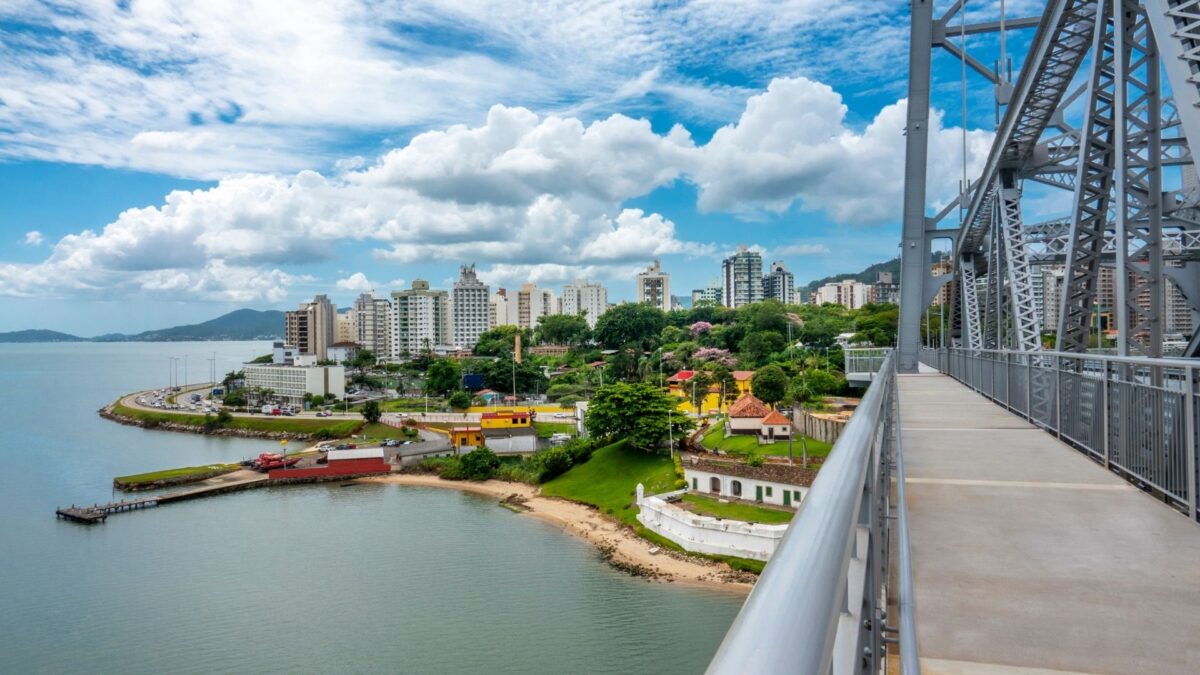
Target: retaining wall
x,y
704,534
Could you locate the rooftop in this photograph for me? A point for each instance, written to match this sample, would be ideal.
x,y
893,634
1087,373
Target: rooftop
x,y
775,417
775,472
749,406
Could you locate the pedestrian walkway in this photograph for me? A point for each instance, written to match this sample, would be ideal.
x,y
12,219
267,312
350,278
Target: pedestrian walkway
x,y
1029,558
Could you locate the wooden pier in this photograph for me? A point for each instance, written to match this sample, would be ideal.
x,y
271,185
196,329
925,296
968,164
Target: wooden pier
x,y
97,513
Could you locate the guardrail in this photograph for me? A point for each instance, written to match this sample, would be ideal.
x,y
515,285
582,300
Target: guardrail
x,y
864,360
820,605
1136,416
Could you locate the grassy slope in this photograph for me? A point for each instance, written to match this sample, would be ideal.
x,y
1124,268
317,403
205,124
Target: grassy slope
x,y
714,439
609,481
175,473
336,427
707,506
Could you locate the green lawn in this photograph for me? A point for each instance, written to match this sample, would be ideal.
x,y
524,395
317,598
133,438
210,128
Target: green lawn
x,y
378,432
335,427
707,506
548,429
609,480
183,472
747,444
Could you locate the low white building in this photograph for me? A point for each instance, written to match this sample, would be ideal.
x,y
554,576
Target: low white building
x,y
290,383
746,415
779,484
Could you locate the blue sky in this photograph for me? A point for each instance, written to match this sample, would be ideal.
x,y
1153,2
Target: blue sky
x,y
164,163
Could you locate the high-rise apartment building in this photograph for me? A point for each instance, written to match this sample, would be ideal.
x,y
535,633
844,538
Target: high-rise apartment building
x,y
779,284
310,328
654,287
374,325
742,277
422,319
502,309
345,327
848,293
587,297
533,303
710,295
469,308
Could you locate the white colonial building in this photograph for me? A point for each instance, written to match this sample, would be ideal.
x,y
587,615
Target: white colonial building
x,y
779,484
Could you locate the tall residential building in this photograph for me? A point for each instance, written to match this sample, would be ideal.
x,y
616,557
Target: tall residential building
x,y
345,327
654,287
502,309
587,297
709,295
374,326
310,328
779,284
469,308
422,319
1052,290
533,303
885,290
848,293
742,277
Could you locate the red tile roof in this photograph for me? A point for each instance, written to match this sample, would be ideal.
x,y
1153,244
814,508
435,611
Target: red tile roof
x,y
682,376
749,406
742,374
775,417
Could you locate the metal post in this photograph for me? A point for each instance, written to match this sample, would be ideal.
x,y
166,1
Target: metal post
x,y
1058,396
914,250
1189,444
1104,422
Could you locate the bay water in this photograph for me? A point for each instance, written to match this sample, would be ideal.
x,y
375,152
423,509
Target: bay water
x,y
299,579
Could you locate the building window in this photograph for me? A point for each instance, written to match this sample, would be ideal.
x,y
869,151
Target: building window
x,y
737,488
695,483
714,485
796,495
768,490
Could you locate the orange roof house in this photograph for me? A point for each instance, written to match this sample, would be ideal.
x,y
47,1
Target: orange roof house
x,y
746,415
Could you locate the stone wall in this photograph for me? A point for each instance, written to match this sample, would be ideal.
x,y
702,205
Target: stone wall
x,y
704,534
820,428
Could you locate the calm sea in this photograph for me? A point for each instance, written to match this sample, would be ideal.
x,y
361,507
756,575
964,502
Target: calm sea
x,y
305,579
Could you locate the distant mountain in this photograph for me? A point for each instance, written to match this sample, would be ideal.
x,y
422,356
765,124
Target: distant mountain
x,y
242,324
39,335
866,276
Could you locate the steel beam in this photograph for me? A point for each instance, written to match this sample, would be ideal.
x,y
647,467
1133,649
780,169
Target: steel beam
x,y
1026,332
1176,27
1093,189
969,305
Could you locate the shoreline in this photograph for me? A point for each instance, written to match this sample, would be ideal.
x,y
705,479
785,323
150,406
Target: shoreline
x,y
620,547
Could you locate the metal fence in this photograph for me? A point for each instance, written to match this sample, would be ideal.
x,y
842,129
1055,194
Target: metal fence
x,y
820,605
1136,416
864,359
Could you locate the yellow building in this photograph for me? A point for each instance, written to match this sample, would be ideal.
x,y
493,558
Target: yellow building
x,y
505,420
466,437
742,379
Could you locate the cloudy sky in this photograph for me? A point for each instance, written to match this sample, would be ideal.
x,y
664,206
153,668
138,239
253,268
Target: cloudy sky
x,y
165,162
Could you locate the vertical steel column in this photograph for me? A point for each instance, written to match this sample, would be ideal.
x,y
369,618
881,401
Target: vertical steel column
x,y
1138,183
1189,443
1093,189
970,304
1104,417
914,251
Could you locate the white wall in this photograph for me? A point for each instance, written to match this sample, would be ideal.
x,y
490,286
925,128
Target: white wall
x,y
704,534
703,485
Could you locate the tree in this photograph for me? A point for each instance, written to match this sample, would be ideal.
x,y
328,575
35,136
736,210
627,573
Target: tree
x,y
364,359
231,377
629,323
770,384
563,329
479,464
822,382
756,347
460,400
371,412
499,341
640,413
699,384
498,375
443,377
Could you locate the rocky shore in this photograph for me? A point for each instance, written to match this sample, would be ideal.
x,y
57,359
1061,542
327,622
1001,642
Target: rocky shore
x,y
108,413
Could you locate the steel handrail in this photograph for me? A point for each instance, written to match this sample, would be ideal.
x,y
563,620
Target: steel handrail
x,y
910,662
790,621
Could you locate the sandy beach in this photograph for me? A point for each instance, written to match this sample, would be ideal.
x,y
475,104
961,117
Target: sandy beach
x,y
620,547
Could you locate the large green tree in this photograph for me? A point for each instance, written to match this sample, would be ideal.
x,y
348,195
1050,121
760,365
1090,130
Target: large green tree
x,y
756,347
371,412
444,376
563,329
640,413
499,341
634,323
770,384
498,375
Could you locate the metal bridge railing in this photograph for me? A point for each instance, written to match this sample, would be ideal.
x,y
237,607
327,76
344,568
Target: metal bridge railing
x,y
1136,416
864,359
820,605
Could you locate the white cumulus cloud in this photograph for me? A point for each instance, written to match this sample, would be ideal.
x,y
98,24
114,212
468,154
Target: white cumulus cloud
x,y
357,282
34,238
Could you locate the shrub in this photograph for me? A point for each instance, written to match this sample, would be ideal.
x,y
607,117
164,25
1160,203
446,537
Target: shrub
x,y
460,400
579,450
756,460
224,417
323,434
549,463
479,464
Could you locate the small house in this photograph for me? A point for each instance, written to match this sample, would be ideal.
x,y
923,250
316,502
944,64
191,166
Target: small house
x,y
774,427
746,415
465,439
742,379
772,483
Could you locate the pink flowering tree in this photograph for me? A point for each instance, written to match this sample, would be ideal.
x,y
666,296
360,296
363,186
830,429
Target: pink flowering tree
x,y
700,327
715,355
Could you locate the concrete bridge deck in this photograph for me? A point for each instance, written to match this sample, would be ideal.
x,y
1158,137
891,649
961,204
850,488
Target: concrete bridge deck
x,y
1029,558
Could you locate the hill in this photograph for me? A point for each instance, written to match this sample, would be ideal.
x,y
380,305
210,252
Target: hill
x,y
866,276
241,324
39,335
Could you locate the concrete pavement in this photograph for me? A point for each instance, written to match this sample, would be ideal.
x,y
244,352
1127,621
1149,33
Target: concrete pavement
x,y
1030,558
